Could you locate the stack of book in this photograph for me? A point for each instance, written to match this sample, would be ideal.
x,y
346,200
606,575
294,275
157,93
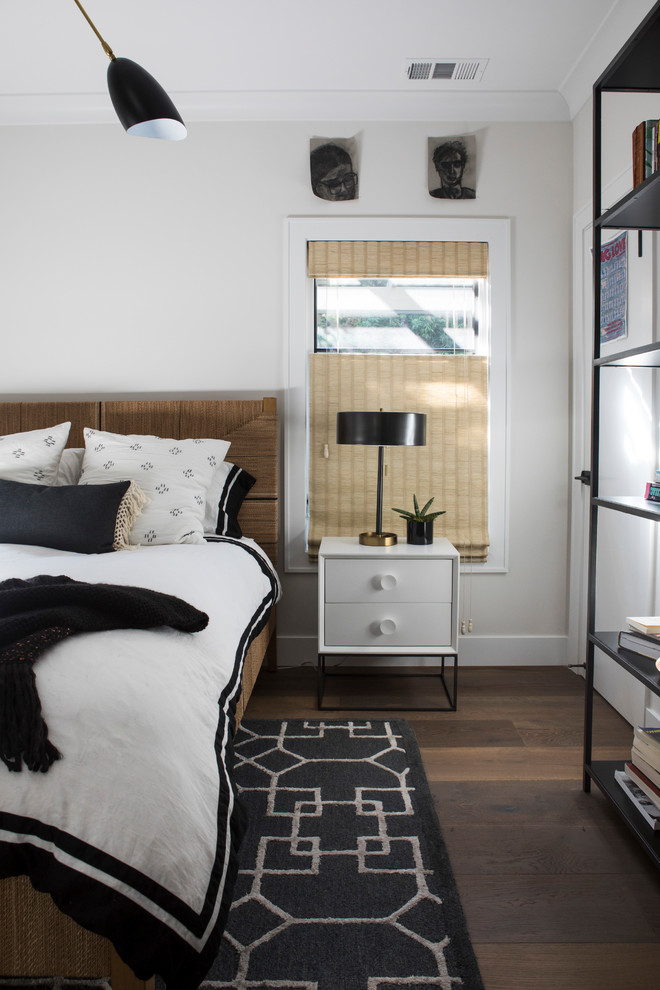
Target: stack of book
x,y
652,491
641,778
645,150
642,637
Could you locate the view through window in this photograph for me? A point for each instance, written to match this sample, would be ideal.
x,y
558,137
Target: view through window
x,y
431,315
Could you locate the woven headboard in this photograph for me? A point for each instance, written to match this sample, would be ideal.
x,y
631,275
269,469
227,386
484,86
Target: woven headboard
x,y
249,424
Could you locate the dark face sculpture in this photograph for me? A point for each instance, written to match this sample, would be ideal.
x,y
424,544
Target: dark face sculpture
x,y
333,177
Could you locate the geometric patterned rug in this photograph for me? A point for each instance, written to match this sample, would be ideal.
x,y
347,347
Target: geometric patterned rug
x,y
344,883
344,880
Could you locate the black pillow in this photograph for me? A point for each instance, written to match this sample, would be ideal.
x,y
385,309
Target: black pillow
x,y
81,518
237,484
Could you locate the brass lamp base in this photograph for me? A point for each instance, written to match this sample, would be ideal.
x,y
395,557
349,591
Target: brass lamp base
x,y
377,539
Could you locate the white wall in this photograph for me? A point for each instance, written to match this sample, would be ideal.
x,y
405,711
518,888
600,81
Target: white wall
x,y
137,267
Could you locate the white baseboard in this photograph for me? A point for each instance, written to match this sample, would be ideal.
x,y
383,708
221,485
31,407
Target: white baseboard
x,y
473,651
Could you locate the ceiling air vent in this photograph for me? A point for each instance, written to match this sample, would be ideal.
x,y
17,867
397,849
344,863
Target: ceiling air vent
x,y
445,69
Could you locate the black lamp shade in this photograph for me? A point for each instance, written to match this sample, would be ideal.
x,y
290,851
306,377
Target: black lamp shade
x,y
141,103
382,429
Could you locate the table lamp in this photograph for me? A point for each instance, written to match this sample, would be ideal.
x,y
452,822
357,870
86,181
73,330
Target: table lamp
x,y
381,429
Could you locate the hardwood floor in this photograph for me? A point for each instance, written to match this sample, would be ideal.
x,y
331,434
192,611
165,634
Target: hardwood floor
x,y
556,892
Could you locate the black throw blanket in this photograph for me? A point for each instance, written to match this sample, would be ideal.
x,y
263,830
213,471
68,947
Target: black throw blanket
x,y
40,611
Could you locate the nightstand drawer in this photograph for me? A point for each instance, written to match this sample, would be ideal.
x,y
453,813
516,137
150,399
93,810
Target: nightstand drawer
x,y
388,580
392,625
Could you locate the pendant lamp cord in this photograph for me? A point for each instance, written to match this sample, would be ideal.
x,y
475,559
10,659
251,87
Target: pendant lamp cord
x,y
106,47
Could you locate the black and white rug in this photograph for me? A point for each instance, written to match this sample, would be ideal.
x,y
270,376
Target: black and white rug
x,y
345,883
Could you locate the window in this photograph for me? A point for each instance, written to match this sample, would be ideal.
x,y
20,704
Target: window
x,y
368,318
436,314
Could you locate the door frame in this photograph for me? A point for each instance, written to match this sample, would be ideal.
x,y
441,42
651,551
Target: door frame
x,y
582,348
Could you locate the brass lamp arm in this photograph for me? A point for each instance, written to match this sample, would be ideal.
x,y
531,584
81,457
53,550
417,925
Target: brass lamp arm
x,y
106,47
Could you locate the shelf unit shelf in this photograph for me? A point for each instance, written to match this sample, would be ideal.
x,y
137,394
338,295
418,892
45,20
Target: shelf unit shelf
x,y
602,774
634,505
638,210
647,356
635,69
643,668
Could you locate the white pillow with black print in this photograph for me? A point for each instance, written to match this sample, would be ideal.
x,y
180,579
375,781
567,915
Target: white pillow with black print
x,y
174,475
33,457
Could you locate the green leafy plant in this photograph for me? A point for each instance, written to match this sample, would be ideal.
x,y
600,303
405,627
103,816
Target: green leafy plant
x,y
419,515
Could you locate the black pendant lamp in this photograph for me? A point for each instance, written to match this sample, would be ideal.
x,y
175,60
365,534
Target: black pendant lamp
x,y
140,102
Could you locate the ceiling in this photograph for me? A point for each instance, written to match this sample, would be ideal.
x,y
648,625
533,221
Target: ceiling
x,y
305,60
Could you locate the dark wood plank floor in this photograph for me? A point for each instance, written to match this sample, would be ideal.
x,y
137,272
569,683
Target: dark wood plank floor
x,y
556,892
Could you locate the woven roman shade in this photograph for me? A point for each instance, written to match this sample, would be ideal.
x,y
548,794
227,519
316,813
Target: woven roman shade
x,y
397,259
452,467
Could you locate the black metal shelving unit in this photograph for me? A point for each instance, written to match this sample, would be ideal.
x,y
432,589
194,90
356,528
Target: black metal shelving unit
x,y
636,69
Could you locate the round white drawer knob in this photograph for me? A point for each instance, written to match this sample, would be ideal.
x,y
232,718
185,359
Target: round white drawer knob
x,y
387,627
387,582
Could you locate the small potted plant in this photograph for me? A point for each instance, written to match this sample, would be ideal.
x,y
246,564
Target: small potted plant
x,y
419,522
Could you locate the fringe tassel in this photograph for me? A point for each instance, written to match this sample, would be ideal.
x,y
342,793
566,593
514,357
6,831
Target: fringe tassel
x,y
23,732
130,508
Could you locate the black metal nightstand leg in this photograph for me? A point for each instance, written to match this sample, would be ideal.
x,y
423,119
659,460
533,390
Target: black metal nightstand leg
x,y
320,681
451,695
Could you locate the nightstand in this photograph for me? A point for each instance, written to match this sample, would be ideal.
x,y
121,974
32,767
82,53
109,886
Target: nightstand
x,y
389,601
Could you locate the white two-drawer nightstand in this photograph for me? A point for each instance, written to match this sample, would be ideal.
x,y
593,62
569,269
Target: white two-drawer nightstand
x,y
389,601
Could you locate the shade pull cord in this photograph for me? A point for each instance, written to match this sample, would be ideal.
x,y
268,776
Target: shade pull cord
x,y
466,624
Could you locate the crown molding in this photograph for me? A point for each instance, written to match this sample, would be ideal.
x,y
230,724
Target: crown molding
x,y
298,105
621,22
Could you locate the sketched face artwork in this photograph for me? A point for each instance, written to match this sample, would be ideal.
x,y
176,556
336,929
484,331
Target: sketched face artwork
x,y
450,168
339,183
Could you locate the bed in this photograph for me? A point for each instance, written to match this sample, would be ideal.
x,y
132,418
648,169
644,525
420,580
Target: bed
x,y
155,926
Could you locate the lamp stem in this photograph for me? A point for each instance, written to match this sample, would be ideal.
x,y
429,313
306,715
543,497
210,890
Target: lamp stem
x,y
379,539
379,494
106,47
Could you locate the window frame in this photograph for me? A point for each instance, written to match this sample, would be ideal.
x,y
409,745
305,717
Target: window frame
x,y
299,324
